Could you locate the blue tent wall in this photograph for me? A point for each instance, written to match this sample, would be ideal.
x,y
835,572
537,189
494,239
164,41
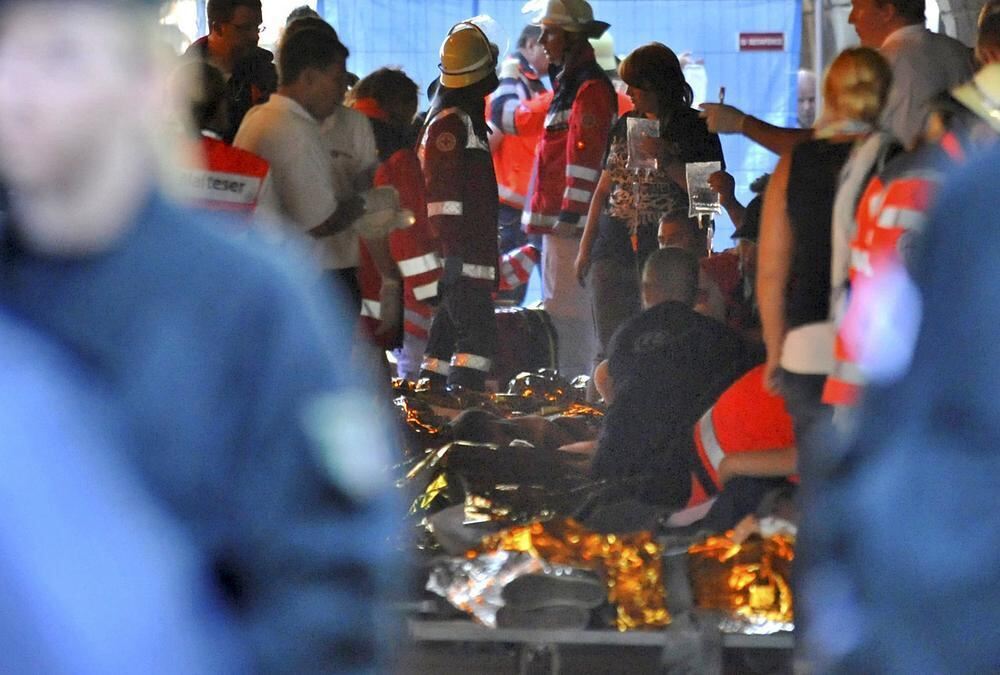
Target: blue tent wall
x,y
408,33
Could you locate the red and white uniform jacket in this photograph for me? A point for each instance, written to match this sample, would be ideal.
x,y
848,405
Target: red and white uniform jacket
x,y
746,418
516,266
570,155
893,207
228,179
461,191
515,155
414,249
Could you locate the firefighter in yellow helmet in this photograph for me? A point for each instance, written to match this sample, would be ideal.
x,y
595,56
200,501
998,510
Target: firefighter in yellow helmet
x,y
462,207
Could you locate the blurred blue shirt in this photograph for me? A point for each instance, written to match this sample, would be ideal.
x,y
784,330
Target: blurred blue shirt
x,y
96,577
243,416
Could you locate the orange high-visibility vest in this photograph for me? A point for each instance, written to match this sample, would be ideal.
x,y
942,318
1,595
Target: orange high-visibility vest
x,y
515,155
231,179
746,418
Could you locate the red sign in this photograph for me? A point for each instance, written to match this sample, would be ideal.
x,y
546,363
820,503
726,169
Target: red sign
x,y
762,42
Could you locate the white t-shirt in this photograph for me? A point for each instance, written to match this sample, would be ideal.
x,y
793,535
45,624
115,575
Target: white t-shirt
x,y
286,135
349,139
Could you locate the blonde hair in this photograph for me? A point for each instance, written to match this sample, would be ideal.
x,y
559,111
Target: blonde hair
x,y
856,85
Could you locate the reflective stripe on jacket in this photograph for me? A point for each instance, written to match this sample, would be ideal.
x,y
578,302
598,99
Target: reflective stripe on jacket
x,y
570,155
231,179
746,418
461,192
515,155
414,249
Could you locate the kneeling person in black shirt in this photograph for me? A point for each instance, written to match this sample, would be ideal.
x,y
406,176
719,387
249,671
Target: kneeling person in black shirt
x,y
666,368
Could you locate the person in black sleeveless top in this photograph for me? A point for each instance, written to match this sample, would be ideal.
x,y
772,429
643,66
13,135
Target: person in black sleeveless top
x,y
793,279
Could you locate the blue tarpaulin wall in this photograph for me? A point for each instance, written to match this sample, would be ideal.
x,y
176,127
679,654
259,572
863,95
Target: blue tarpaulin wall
x,y
408,33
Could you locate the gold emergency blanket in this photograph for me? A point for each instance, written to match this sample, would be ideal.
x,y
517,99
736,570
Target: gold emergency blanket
x,y
750,580
629,564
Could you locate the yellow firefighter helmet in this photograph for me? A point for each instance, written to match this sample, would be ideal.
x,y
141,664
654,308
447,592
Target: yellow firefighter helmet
x,y
467,56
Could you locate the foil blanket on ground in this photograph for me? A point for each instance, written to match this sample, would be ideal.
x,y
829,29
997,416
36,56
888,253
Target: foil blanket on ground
x,y
474,585
749,581
629,564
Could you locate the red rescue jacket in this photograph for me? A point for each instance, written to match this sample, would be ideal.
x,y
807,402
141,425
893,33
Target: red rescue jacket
x,y
515,155
746,418
230,179
461,190
893,204
570,155
414,249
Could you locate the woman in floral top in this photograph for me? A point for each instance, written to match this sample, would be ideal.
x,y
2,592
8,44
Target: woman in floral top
x,y
624,214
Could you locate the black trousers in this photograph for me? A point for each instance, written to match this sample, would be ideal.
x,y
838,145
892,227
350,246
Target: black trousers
x,y
465,328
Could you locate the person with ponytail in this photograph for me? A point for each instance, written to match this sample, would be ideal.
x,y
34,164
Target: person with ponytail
x,y
794,254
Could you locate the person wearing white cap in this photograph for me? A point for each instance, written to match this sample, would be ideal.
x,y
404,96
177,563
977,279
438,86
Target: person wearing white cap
x,y
567,167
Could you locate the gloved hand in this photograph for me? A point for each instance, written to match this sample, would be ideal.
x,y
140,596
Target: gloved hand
x,y
722,118
382,213
391,307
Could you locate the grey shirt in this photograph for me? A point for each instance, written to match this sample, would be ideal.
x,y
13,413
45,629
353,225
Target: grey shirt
x,y
923,65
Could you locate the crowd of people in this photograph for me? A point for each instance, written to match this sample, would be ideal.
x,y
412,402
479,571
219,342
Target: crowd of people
x,y
236,347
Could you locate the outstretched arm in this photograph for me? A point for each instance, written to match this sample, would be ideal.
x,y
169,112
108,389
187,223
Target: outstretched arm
x,y
773,267
725,119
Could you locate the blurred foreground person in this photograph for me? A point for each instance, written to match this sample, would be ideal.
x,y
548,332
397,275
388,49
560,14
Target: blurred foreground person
x,y
907,531
97,579
227,365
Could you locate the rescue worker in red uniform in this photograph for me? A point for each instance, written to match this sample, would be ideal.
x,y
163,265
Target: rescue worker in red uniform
x,y
872,338
513,150
389,99
513,147
462,204
223,178
748,432
567,167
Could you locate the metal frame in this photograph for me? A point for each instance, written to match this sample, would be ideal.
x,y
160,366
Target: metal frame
x,y
539,646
